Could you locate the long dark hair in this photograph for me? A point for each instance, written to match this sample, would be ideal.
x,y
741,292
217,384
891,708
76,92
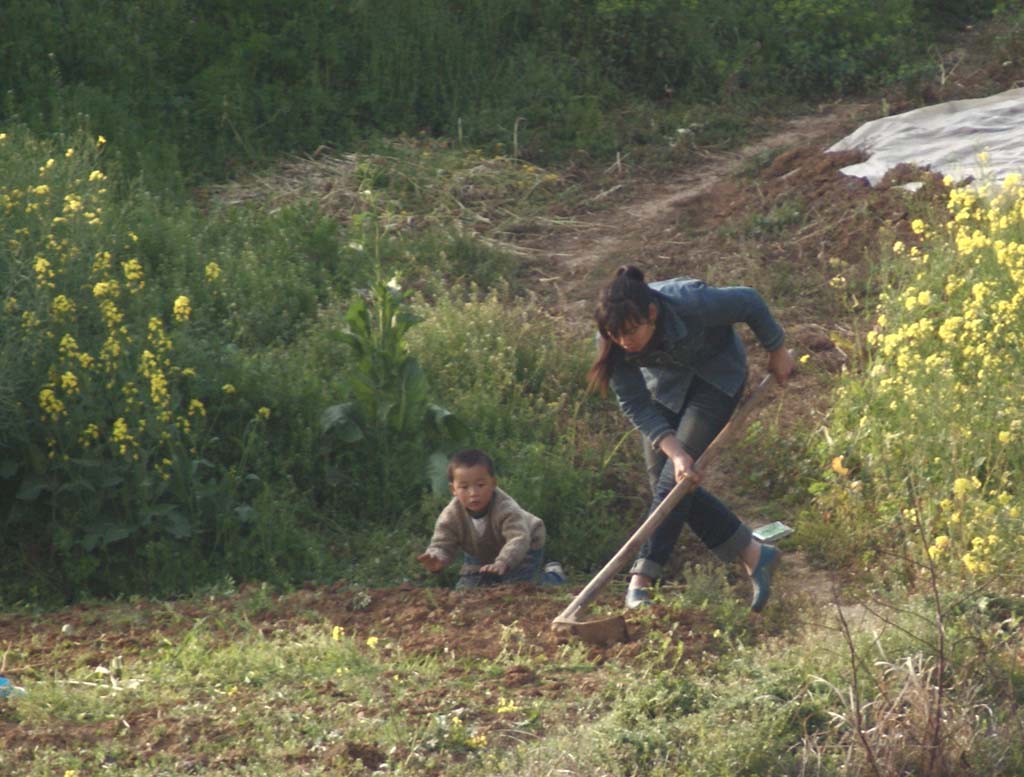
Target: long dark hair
x,y
624,301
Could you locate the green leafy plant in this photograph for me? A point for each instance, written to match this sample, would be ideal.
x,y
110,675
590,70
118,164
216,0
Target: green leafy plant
x,y
389,417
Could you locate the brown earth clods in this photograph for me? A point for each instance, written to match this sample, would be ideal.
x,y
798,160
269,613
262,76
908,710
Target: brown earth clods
x,y
460,628
413,619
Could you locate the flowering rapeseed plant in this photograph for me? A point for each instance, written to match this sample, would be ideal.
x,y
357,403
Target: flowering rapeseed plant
x,y
940,403
106,400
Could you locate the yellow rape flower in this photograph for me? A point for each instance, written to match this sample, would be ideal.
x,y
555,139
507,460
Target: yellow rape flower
x,y
227,388
507,705
212,271
963,486
72,203
61,305
111,315
69,382
89,435
838,468
121,436
50,404
68,346
938,546
264,413
44,272
132,270
182,308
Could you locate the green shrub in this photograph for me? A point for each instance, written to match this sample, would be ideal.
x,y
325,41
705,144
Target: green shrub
x,y
516,380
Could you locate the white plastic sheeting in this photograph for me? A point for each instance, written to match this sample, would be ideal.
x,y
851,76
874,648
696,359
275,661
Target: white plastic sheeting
x,y
981,138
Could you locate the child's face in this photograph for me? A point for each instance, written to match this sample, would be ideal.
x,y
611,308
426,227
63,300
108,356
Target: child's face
x,y
473,487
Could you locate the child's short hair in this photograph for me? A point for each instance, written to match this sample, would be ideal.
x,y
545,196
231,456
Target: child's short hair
x,y
469,457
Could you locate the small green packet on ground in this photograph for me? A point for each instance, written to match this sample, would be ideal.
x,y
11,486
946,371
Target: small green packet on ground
x,y
773,531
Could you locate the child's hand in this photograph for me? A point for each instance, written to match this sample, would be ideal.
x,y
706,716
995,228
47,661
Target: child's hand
x,y
431,562
499,568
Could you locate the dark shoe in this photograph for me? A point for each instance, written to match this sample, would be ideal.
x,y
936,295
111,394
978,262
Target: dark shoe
x,y
637,597
761,577
553,574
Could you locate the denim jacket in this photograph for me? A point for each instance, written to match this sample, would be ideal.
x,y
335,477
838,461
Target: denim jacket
x,y
694,336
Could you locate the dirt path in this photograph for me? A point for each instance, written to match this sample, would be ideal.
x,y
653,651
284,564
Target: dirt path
x,y
662,221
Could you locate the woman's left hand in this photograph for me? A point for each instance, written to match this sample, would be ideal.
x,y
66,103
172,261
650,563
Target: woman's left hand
x,y
781,364
682,462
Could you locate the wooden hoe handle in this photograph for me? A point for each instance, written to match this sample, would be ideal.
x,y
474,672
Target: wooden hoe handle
x,y
654,520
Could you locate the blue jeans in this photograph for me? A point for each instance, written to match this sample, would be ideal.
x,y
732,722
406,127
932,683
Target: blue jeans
x,y
705,411
526,572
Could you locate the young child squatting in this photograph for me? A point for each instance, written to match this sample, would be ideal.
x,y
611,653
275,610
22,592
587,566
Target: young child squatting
x,y
500,541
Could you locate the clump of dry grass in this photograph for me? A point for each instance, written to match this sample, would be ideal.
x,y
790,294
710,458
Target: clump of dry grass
x,y
417,184
329,181
918,723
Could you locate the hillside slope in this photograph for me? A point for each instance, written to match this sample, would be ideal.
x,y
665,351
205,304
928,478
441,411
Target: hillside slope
x,y
776,214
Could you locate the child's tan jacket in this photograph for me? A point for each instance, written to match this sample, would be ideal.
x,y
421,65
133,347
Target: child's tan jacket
x,y
509,533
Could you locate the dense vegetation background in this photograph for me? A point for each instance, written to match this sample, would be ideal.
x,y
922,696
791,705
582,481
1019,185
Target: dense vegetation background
x,y
238,391
197,90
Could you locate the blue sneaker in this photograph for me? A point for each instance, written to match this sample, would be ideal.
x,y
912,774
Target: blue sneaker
x,y
761,577
637,597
